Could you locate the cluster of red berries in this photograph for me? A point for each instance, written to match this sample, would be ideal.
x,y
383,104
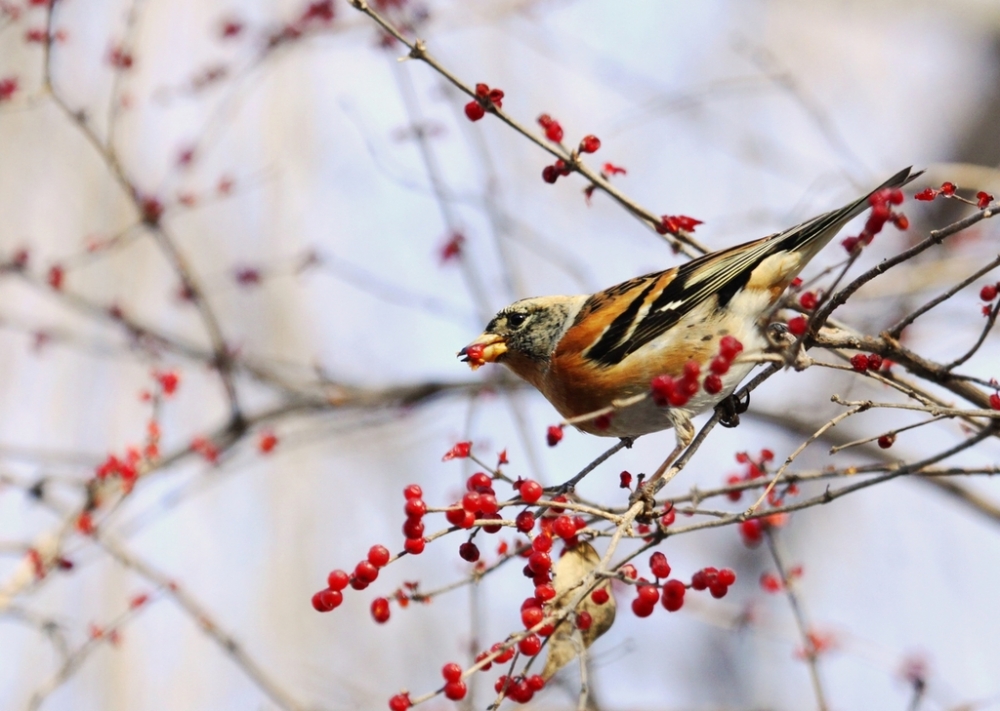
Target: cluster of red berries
x,y
413,527
671,593
881,213
862,362
755,469
983,198
676,392
520,689
486,98
365,573
479,503
674,224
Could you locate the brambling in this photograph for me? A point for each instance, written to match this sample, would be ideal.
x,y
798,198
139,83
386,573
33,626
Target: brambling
x,y
650,353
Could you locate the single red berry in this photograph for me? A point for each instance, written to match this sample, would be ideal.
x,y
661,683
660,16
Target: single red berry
x,y
530,645
531,491
550,174
536,682
874,361
525,521
380,610
808,300
719,365
451,672
469,552
378,556
713,384
948,189
769,582
554,132
727,576
542,543
479,482
563,527
797,326
488,505
539,562
641,608
752,532
55,277
415,508
584,620
926,195
326,600
629,572
474,110
718,590
413,491
669,516
851,244
648,594
400,702
267,442
859,362
531,616
337,580
600,596
544,592
730,347
455,690
413,528
554,435
504,656
414,546
988,292
658,565
673,595
470,502
734,479
886,441
995,401
901,221
590,144
366,572
983,199
699,581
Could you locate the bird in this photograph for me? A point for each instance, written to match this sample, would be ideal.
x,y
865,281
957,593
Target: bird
x,y
640,356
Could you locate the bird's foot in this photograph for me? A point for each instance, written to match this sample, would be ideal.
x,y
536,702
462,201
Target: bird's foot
x,y
731,408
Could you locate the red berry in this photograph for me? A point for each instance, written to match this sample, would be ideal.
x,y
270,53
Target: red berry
x,y
600,596
474,110
673,595
808,300
413,528
366,572
470,502
415,508
564,527
752,532
590,144
380,610
658,565
539,562
995,401
525,521
337,580
926,194
455,515
455,690
504,656
413,491
414,546
713,384
886,441
469,552
326,600
479,482
451,672
730,347
648,594
459,451
584,620
797,326
727,576
554,132
550,174
734,479
668,517
399,702
718,590
641,608
983,200
874,361
859,362
770,583
554,435
531,491
536,682
948,189
719,365
544,592
542,543
530,645
378,556
988,292
531,616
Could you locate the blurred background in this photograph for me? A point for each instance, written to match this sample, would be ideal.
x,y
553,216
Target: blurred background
x,y
345,230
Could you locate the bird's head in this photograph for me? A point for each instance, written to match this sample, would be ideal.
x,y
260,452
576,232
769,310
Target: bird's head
x,y
527,329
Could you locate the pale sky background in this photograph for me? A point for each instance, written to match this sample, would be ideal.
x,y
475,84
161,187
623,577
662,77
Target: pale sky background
x,y
312,140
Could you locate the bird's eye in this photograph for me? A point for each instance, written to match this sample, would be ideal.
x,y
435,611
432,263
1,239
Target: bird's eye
x,y
516,320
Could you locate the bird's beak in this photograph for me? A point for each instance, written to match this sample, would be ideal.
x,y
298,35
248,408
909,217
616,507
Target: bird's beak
x,y
485,349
